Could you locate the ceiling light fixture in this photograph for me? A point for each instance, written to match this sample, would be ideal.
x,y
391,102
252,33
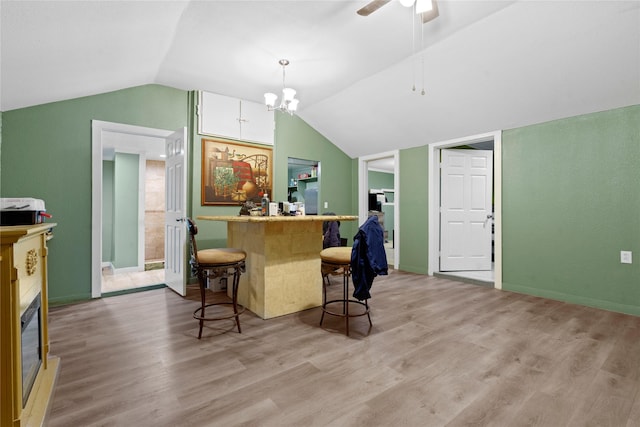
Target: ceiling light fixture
x,y
421,5
288,104
427,9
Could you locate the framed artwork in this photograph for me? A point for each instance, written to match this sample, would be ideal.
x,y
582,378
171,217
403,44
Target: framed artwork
x,y
233,173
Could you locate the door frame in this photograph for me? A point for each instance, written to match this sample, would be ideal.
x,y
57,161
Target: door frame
x,y
363,195
433,164
98,129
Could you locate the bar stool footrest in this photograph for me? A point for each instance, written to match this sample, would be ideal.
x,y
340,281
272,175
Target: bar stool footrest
x,y
341,301
198,316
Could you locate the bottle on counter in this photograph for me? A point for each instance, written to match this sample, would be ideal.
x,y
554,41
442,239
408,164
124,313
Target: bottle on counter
x,y
265,204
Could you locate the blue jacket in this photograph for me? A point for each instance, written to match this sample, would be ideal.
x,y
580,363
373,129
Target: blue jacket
x,y
368,258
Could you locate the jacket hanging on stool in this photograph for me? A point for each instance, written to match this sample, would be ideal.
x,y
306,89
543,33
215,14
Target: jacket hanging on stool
x,y
368,258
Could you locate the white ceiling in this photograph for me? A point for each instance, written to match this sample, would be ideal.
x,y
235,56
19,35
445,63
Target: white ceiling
x,y
488,65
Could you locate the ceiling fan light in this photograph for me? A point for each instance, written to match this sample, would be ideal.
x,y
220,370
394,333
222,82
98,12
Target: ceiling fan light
x,y
424,6
407,3
288,94
270,99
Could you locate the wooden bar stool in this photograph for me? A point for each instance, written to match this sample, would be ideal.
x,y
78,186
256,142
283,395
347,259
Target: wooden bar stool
x,y
337,261
212,263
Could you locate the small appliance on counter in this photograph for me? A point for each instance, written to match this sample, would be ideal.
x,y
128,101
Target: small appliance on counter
x,y
22,211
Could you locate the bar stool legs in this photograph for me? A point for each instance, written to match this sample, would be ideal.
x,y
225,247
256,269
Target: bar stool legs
x,y
218,271
212,263
334,259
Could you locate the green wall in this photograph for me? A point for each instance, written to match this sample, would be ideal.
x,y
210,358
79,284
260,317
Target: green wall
x,y
414,212
0,152
571,203
107,210
125,210
46,154
380,179
295,138
1,132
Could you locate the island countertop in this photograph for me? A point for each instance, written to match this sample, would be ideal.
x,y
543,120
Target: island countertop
x,y
283,218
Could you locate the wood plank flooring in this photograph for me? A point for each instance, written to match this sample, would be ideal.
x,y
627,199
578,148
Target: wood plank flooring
x,y
440,353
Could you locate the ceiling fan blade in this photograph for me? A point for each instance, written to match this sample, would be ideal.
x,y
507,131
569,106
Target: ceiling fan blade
x,y
431,14
372,7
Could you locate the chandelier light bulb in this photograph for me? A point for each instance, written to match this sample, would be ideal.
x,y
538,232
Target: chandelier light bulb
x,y
270,99
288,94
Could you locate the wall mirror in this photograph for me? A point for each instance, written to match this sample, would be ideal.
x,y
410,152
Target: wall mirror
x,y
303,183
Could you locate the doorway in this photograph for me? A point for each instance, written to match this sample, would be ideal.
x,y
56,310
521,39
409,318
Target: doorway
x,y
132,210
140,150
388,162
494,276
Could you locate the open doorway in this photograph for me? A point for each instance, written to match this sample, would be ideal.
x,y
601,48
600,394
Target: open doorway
x,y
128,207
125,266
491,218
378,194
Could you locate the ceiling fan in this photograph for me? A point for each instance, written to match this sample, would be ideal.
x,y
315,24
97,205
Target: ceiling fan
x,y
428,9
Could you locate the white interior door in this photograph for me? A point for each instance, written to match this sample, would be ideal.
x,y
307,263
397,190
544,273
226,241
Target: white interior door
x,y
466,214
175,240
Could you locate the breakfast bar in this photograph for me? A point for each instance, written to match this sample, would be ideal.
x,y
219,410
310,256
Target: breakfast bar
x,y
283,260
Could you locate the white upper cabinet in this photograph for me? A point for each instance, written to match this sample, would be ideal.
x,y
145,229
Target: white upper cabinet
x,y
235,118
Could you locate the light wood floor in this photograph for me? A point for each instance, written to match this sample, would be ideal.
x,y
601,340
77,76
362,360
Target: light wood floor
x,y
440,353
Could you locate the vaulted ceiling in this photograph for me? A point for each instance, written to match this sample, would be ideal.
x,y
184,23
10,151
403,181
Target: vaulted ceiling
x,y
484,65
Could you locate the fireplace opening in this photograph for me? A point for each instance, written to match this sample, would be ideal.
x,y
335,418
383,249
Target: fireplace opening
x,y
31,321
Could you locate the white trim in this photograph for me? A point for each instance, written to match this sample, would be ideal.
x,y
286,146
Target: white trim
x,y
363,198
98,128
497,202
433,164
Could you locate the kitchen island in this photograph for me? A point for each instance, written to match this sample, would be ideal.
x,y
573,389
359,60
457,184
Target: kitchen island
x,y
283,260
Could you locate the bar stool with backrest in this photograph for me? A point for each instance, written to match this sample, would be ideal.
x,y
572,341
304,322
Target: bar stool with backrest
x,y
212,263
337,261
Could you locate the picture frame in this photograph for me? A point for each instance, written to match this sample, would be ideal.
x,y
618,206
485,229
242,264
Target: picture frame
x,y
234,172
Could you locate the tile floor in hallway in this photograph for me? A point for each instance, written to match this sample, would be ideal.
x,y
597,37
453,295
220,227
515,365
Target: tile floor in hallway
x,y
121,281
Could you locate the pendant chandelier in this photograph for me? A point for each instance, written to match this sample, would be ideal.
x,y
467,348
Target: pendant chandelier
x,y
288,103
